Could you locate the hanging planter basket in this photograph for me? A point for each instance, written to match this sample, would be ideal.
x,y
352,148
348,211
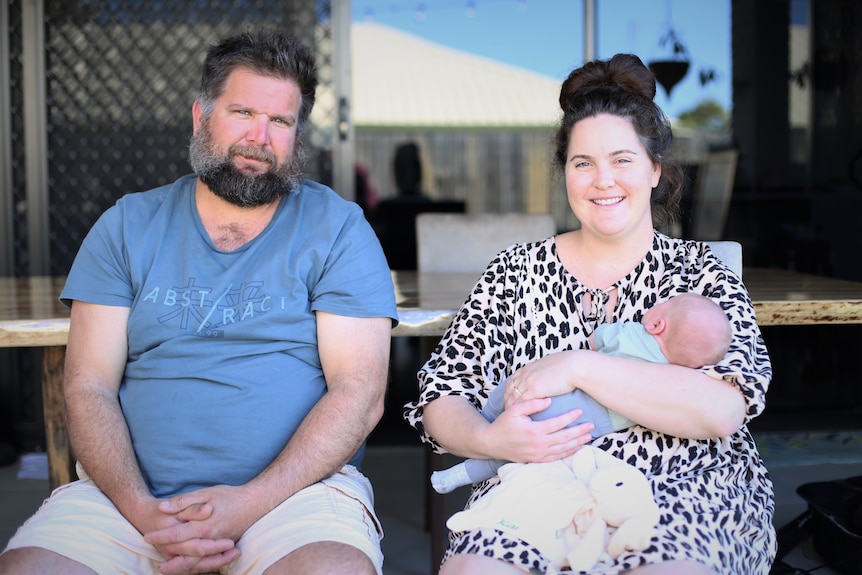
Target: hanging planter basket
x,y
669,73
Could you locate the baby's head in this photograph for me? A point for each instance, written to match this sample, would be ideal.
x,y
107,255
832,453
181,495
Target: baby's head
x,y
692,330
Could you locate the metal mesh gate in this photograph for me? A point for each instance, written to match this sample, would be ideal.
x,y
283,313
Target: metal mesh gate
x,y
119,80
95,102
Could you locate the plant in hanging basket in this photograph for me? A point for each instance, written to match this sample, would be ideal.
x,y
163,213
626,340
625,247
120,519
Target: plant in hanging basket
x,y
670,71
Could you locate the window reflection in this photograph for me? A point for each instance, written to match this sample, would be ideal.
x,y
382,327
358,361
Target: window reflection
x,y
687,44
800,85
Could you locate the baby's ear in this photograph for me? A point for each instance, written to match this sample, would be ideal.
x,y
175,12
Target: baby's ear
x,y
655,326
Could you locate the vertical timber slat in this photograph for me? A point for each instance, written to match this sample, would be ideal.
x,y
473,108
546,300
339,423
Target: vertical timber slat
x,y
61,463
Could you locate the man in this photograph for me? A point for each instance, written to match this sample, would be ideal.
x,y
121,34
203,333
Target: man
x,y
227,354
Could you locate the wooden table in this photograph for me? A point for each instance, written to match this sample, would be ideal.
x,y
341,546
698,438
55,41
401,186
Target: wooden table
x,y
31,316
427,303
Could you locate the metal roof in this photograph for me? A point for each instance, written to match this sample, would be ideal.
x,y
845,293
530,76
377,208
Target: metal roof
x,y
403,80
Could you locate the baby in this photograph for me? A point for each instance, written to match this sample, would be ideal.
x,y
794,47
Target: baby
x,y
688,329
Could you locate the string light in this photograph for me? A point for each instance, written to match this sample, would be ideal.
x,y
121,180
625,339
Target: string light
x,y
421,10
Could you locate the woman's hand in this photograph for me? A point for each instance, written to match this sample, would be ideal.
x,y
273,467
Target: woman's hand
x,y
516,437
547,377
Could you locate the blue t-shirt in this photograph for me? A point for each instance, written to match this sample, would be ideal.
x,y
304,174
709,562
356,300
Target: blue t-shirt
x,y
223,363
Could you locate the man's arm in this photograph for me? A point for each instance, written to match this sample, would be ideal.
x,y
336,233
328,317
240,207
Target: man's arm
x,y
95,360
96,357
354,354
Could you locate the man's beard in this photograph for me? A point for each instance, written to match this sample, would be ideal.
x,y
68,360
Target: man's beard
x,y
216,169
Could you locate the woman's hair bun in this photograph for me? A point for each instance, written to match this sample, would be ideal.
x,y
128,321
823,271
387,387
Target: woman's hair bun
x,y
623,72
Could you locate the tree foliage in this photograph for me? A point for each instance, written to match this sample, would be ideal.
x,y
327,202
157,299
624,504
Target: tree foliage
x,y
708,114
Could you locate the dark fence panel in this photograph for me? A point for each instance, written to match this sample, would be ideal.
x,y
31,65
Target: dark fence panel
x,y
120,77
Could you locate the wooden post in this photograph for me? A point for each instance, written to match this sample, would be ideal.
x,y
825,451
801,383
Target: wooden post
x,y
61,463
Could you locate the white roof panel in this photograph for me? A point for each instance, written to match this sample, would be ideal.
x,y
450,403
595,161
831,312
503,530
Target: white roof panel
x,y
403,80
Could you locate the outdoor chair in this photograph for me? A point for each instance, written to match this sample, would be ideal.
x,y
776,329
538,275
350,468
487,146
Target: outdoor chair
x,y
463,243
712,192
394,222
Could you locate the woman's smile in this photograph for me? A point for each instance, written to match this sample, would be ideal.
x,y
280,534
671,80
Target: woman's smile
x,y
608,201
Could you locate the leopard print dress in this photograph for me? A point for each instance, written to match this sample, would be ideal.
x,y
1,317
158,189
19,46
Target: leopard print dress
x,y
715,495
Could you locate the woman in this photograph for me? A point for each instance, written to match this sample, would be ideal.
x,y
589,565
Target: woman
x,y
529,319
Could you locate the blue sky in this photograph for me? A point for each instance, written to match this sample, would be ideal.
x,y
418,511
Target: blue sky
x,y
546,36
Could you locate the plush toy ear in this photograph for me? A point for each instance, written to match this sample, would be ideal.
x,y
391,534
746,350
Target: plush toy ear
x,y
583,463
604,459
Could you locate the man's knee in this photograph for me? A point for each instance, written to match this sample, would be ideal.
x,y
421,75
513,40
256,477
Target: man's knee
x,y
324,558
35,560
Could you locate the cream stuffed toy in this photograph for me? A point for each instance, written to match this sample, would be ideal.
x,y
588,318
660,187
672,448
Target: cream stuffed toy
x,y
573,510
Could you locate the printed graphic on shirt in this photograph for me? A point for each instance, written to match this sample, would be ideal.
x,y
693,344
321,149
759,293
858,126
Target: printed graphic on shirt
x,y
206,310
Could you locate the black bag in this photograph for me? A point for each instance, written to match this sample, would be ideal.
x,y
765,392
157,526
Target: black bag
x,y
833,521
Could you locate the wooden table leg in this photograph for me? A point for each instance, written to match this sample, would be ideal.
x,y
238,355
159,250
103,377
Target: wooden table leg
x,y
61,463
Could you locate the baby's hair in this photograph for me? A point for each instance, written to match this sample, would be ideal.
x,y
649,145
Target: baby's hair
x,y
700,331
